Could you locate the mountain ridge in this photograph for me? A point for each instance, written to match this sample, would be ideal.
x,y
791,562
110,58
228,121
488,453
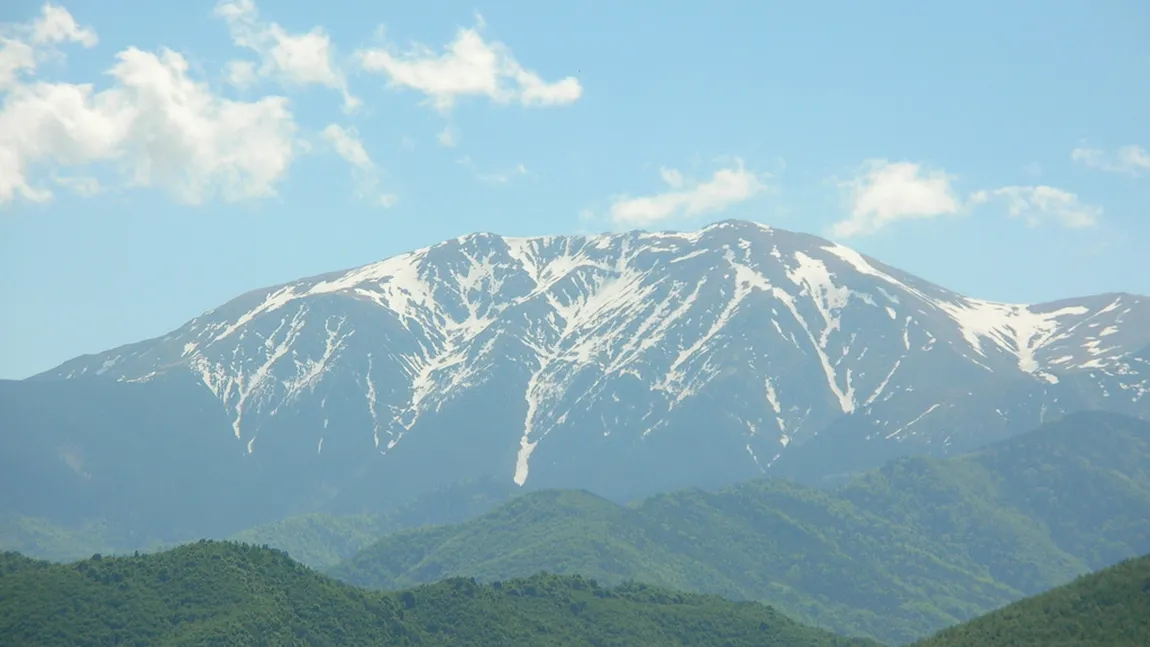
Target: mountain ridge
x,y
627,363
897,554
222,593
1106,607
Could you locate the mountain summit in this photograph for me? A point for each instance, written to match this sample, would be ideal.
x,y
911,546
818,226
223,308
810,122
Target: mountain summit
x,y
634,362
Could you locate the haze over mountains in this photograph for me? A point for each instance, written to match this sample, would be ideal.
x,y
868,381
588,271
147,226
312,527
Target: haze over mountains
x,y
626,364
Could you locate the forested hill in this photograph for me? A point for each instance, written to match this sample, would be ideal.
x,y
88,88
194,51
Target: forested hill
x,y
898,554
223,593
1110,608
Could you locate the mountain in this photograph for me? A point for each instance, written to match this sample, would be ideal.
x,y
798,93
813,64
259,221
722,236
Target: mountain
x,y
214,593
136,459
324,540
899,553
627,364
1110,608
317,540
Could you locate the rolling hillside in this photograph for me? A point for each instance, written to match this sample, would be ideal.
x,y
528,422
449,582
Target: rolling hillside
x,y
1110,608
214,593
897,554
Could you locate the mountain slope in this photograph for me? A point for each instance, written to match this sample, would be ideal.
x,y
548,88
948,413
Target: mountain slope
x,y
230,594
324,540
1110,607
626,364
317,540
137,457
896,554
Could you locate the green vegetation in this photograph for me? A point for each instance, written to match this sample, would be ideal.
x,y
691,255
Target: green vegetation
x,y
896,555
319,540
224,593
44,539
1110,607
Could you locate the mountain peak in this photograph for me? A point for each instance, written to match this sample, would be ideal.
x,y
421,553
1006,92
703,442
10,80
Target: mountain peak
x,y
743,225
762,339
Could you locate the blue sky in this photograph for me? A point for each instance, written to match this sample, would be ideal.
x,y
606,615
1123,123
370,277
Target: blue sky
x,y
999,149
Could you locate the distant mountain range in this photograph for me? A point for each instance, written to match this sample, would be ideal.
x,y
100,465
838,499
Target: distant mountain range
x,y
899,553
625,364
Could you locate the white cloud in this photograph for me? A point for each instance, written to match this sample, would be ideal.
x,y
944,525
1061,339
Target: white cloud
x,y
503,177
1038,204
1128,159
672,177
348,145
56,25
291,59
82,186
684,199
469,66
887,192
498,177
155,125
448,137
19,42
241,74
16,56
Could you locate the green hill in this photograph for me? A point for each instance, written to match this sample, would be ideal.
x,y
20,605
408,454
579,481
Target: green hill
x,y
1109,608
223,593
896,555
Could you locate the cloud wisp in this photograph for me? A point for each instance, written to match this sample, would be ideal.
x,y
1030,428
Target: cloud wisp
x,y
348,145
1040,204
290,59
1130,160
503,177
685,198
884,193
469,66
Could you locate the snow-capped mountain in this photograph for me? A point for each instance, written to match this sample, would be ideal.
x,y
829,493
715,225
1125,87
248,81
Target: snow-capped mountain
x,y
635,362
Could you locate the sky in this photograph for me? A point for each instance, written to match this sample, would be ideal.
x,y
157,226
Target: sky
x,y
160,158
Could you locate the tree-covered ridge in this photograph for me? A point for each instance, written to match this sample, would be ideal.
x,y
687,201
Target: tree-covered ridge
x,y
226,593
1109,608
896,555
